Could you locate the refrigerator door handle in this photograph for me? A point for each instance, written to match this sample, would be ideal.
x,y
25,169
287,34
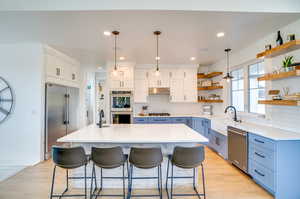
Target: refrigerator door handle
x,y
65,112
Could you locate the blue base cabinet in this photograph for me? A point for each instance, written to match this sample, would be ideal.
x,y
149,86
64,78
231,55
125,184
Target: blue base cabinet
x,y
201,125
274,164
218,142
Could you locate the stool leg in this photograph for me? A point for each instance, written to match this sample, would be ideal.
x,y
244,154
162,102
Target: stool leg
x,y
52,185
130,182
67,180
85,186
167,178
92,180
172,175
160,177
203,181
158,180
123,181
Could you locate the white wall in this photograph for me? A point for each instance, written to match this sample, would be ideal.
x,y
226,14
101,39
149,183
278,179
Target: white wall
x,y
21,135
278,116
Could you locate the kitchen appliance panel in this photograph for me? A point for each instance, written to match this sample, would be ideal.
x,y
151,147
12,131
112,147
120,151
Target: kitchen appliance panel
x,y
238,148
56,116
73,105
121,117
121,101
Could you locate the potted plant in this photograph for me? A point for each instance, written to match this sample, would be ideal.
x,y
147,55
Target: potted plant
x,y
287,62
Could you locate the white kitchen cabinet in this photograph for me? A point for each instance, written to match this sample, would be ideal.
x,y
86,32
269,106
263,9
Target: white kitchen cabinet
x,y
141,86
159,81
61,69
183,86
123,78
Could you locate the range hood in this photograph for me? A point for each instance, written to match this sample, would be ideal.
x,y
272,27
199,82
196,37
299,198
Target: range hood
x,y
159,91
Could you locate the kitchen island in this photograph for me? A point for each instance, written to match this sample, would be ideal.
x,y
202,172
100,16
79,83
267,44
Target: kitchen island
x,y
166,136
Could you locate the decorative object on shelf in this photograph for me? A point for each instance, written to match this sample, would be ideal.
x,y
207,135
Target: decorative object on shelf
x,y
293,96
144,111
228,77
268,47
214,97
6,100
279,40
275,94
291,37
206,83
280,50
286,91
157,58
287,62
115,33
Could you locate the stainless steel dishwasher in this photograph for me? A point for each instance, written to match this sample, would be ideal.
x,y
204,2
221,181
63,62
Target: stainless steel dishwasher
x,y
238,148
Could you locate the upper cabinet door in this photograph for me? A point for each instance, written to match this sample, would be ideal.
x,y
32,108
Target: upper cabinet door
x,y
176,90
53,67
161,80
190,85
141,85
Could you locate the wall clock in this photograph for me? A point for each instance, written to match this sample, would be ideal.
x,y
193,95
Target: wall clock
x,y
6,100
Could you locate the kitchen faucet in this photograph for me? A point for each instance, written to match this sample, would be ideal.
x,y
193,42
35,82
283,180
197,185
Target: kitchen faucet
x,y
234,110
101,115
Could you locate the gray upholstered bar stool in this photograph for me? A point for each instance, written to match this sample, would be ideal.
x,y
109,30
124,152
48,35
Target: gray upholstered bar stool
x,y
186,158
107,158
69,158
145,158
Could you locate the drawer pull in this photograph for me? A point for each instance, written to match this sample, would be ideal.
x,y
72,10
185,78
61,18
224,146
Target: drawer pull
x,y
259,173
259,155
259,141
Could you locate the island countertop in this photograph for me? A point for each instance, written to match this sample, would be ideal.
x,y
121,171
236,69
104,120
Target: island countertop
x,y
135,133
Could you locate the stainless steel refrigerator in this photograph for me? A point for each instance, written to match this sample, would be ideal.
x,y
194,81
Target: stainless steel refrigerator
x,y
61,114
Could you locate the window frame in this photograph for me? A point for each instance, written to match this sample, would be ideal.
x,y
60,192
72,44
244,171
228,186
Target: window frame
x,y
246,78
231,91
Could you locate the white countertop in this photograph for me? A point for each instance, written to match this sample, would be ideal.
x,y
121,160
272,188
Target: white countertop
x,y
136,133
220,125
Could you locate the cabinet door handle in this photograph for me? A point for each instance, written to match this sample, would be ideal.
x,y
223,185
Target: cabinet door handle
x,y
147,74
184,97
58,71
259,141
259,155
184,74
170,74
259,173
73,76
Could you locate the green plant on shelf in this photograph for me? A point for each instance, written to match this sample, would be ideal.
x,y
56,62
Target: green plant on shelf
x,y
287,61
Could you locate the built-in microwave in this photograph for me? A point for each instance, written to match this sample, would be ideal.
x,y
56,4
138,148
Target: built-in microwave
x,y
121,101
121,117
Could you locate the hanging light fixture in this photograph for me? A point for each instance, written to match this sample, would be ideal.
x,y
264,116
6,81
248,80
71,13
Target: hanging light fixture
x,y
115,71
228,77
157,58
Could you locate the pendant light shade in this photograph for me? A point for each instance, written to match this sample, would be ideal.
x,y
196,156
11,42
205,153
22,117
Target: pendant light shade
x,y
228,77
157,58
115,33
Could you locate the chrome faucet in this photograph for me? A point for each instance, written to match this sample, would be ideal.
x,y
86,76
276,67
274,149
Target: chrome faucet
x,y
101,115
234,110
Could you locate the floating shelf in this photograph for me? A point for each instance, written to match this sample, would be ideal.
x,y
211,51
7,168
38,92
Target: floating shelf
x,y
209,75
210,101
280,102
209,88
279,50
281,75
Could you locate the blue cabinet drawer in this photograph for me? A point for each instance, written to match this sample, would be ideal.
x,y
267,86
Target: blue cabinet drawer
x,y
263,156
180,120
140,120
160,120
262,141
262,175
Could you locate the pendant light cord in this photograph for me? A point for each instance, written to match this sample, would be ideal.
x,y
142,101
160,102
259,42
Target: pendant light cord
x,y
115,52
157,53
227,61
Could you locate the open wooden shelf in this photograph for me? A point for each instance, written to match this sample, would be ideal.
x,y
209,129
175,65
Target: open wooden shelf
x,y
281,75
209,88
279,50
210,101
209,75
280,102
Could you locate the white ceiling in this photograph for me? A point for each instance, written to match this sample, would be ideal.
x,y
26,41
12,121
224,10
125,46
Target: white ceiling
x,y
184,33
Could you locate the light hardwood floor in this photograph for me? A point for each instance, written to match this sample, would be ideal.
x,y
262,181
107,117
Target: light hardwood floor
x,y
223,181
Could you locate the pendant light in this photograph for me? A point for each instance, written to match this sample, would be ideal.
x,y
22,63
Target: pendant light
x,y
228,77
157,58
115,71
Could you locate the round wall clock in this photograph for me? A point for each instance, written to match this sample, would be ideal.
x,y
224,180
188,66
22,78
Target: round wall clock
x,y
6,100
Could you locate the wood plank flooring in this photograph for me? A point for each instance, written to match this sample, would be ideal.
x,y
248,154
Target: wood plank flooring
x,y
223,181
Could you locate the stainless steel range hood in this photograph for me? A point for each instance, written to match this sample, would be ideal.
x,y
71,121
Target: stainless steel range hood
x,y
159,91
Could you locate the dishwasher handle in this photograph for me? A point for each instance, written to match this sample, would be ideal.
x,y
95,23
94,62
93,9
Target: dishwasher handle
x,y
242,133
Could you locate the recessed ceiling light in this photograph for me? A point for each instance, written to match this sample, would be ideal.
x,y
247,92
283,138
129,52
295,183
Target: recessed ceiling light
x,y
107,33
193,58
122,58
157,58
220,34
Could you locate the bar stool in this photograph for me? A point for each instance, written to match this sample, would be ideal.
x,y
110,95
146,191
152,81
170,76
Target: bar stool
x,y
107,158
145,158
186,158
69,158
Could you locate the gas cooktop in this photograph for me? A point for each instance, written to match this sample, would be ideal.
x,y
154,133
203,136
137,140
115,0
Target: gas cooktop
x,y
159,114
